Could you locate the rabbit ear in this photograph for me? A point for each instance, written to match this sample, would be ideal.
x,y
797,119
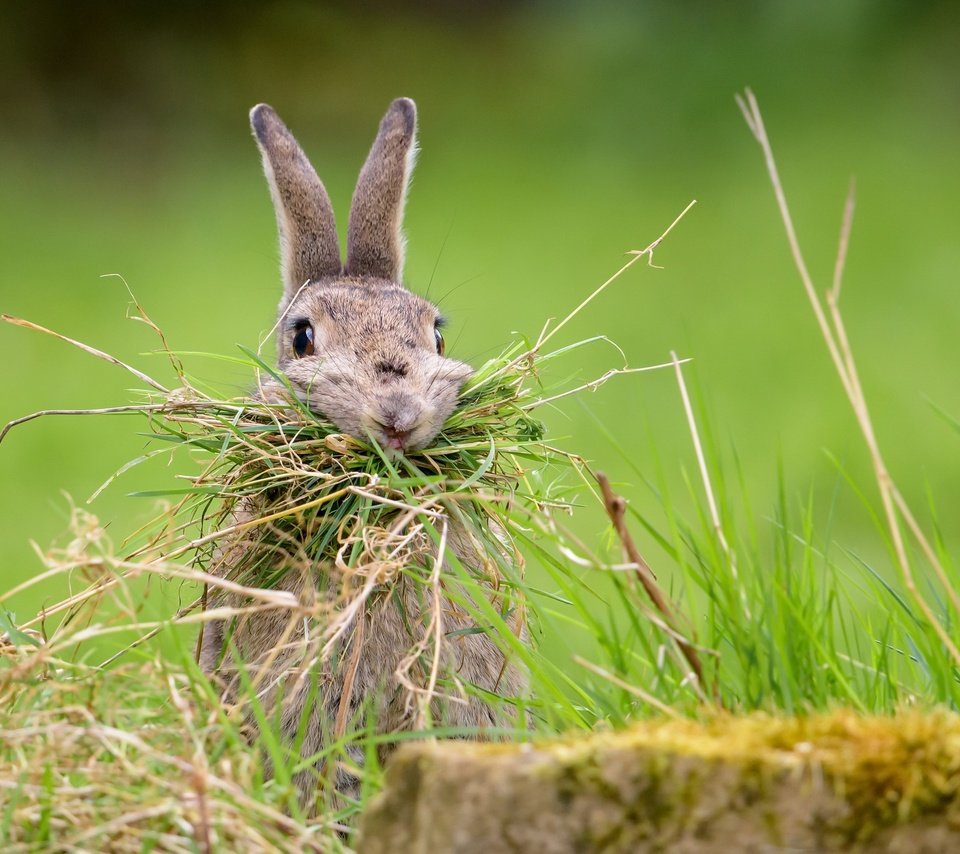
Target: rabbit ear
x,y
375,245
308,235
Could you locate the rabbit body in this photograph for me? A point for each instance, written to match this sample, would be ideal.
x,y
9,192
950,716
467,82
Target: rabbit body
x,y
360,349
274,650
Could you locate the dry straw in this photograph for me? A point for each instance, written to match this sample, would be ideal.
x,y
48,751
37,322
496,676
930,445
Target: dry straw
x,y
897,512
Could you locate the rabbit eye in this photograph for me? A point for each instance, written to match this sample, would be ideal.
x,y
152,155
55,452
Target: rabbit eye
x,y
303,341
438,335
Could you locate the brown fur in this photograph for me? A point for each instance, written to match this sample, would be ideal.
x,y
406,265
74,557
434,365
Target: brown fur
x,y
375,245
375,371
308,235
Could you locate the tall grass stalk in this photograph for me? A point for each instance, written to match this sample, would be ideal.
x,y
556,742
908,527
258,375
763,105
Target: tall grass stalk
x,y
895,508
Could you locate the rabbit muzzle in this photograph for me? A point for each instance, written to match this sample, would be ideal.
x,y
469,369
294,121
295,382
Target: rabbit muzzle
x,y
401,421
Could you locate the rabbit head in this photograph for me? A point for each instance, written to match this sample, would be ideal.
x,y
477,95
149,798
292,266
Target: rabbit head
x,y
356,345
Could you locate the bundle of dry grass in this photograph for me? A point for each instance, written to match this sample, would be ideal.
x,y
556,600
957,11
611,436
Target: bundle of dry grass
x,y
299,494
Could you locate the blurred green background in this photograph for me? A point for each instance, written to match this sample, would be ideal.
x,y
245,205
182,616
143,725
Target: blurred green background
x,y
555,137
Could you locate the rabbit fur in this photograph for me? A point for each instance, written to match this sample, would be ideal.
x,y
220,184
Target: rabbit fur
x,y
372,364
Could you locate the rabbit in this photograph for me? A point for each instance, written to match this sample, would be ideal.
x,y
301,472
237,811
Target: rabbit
x,y
367,354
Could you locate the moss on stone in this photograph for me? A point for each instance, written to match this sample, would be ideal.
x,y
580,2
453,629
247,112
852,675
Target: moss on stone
x,y
838,781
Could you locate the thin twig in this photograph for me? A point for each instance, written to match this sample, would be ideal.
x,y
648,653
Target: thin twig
x,y
702,465
637,255
833,295
593,385
93,351
173,406
751,113
107,410
842,356
616,510
143,317
845,229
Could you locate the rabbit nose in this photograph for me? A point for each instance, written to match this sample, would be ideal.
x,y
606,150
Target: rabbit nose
x,y
400,415
397,440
